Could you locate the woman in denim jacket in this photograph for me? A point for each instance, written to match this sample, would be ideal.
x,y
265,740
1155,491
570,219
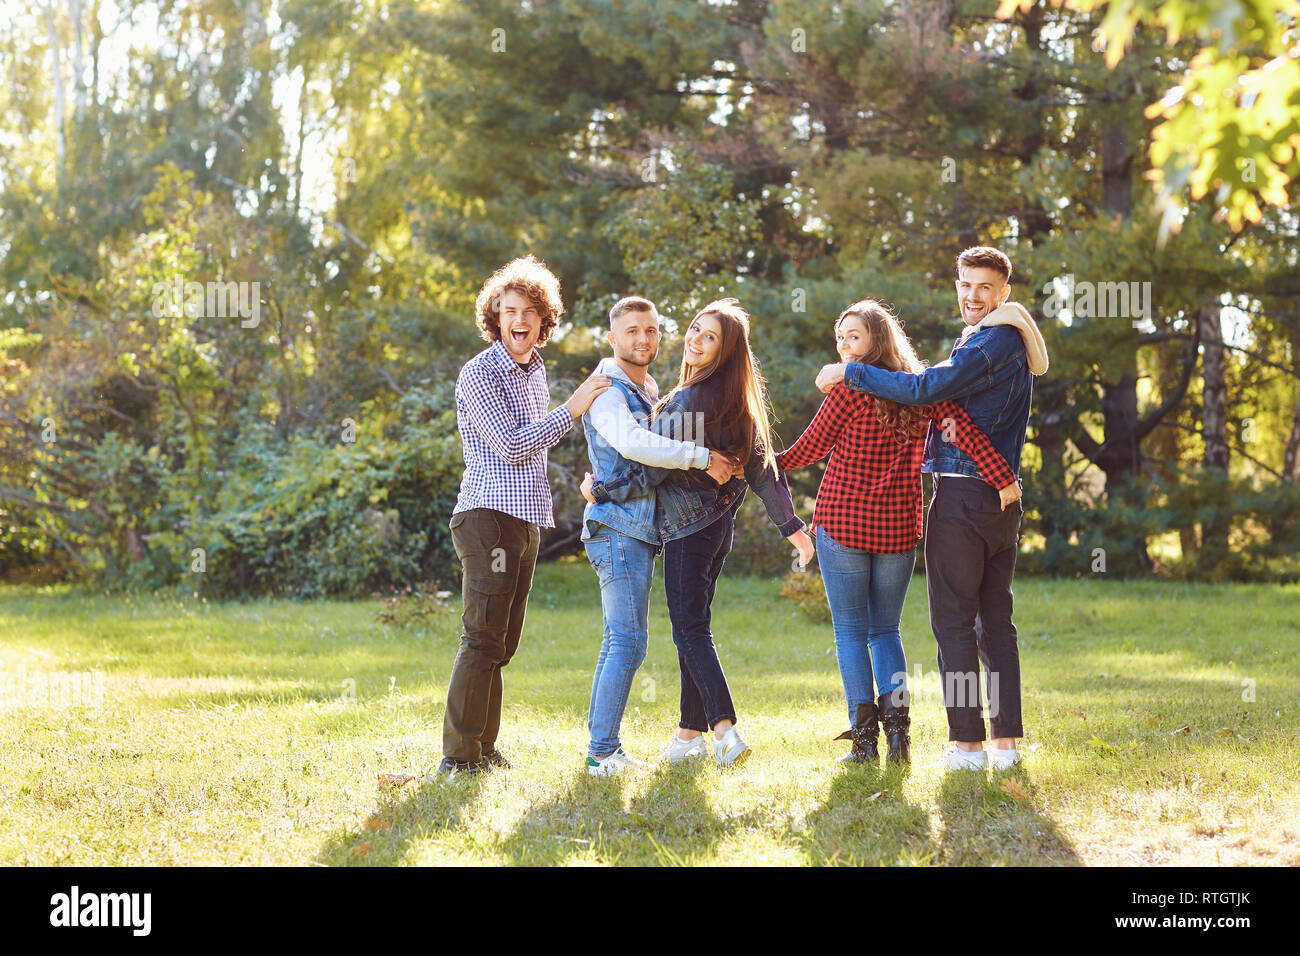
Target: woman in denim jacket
x,y
718,402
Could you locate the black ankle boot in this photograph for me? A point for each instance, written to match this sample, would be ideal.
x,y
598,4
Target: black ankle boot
x,y
865,737
897,725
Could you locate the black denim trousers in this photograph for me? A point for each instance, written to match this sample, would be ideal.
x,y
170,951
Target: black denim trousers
x,y
970,557
498,553
692,566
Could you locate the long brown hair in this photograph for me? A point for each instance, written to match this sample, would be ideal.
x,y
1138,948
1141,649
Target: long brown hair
x,y
890,349
737,392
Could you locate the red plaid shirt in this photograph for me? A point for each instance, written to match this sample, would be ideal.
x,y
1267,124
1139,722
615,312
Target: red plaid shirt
x,y
870,496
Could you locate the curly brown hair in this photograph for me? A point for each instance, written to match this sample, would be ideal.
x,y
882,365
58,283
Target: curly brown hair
x,y
530,278
890,349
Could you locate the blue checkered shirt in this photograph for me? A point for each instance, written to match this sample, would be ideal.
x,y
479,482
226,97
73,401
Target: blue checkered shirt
x,y
504,432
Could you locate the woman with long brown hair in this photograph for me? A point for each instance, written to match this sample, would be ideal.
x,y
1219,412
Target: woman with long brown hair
x,y
867,519
720,402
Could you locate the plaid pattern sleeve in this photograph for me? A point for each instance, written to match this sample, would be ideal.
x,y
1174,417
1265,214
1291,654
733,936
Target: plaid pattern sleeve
x,y
483,397
957,428
870,495
822,432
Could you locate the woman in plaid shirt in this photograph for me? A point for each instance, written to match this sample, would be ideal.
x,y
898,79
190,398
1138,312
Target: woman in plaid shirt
x,y
868,519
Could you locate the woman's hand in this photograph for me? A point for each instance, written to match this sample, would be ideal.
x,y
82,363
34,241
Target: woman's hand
x,y
721,466
1009,494
804,543
585,487
830,376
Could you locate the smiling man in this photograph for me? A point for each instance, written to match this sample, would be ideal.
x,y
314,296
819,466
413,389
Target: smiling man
x,y
620,536
505,428
970,542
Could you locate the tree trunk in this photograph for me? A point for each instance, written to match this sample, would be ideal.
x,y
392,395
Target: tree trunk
x,y
1291,460
1214,424
78,64
1214,429
56,76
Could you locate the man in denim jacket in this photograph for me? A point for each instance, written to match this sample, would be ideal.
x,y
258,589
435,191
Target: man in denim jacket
x,y
620,536
970,543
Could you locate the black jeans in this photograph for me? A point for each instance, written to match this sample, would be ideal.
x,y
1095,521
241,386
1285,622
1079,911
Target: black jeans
x,y
691,568
970,557
498,553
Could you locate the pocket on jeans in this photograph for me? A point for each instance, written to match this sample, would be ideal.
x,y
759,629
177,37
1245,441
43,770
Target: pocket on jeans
x,y
488,567
600,552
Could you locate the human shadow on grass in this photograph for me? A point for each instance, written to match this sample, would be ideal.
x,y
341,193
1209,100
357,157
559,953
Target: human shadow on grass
x,y
866,821
997,819
401,816
671,821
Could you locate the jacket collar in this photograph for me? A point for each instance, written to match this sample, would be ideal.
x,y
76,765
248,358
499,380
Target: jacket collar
x,y
609,366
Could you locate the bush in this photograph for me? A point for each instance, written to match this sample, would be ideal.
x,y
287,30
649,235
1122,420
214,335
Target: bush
x,y
311,518
408,605
759,548
808,591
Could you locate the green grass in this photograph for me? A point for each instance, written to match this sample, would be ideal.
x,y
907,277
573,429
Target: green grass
x,y
224,736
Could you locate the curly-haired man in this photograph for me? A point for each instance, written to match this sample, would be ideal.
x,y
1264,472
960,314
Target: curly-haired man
x,y
501,410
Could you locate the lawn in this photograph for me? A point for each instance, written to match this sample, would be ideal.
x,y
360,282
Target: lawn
x,y
1161,726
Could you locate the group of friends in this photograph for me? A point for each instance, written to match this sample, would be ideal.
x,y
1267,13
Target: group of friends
x,y
669,473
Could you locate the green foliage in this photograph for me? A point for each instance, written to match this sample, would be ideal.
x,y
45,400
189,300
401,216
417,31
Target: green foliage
x,y
418,605
807,591
799,155
686,236
1231,128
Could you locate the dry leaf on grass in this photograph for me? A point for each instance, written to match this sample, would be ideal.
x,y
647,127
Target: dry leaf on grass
x,y
1014,789
391,781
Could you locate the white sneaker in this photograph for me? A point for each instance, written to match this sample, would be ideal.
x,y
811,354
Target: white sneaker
x,y
616,762
958,759
1000,759
730,751
682,750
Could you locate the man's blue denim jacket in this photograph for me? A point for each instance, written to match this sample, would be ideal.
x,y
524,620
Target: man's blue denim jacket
x,y
690,500
633,514
987,374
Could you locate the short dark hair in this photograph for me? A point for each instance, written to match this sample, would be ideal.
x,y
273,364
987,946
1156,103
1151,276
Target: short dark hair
x,y
531,279
631,303
985,257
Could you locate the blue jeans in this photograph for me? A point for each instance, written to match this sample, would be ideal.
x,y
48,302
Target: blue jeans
x,y
691,568
625,566
866,592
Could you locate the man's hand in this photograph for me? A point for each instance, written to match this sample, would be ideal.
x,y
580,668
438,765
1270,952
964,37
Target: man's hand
x,y
585,394
721,466
830,376
585,487
1009,494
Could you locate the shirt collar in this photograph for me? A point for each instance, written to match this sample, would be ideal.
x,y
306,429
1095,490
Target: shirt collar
x,y
507,361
